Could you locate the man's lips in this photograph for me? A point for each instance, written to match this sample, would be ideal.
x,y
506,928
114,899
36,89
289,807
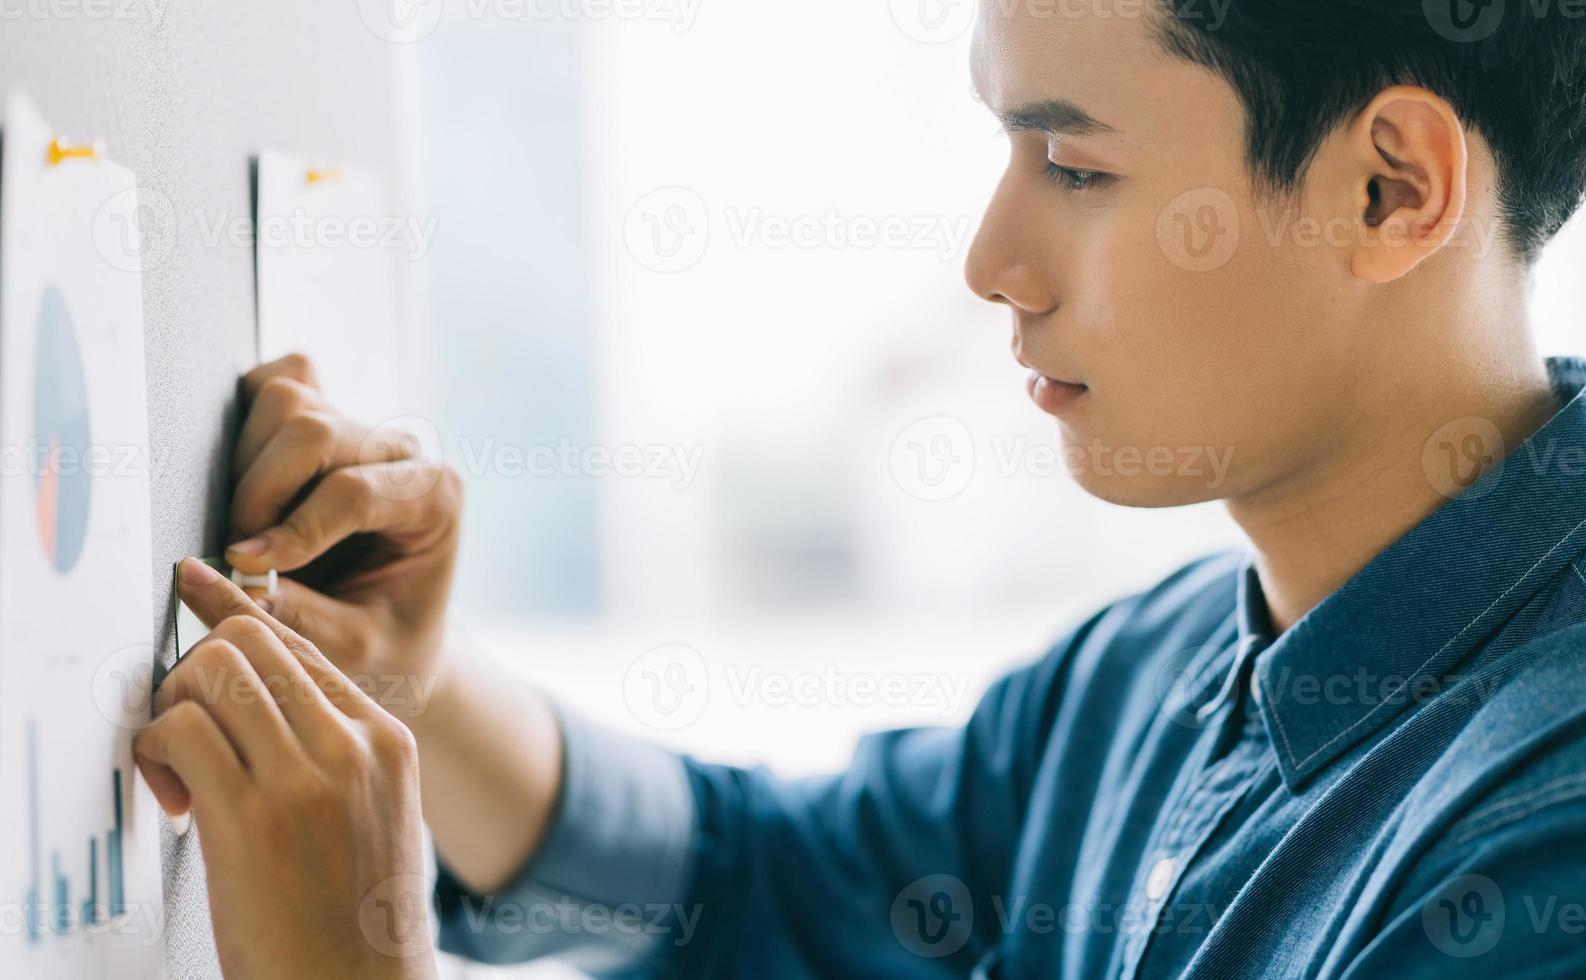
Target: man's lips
x,y
1051,395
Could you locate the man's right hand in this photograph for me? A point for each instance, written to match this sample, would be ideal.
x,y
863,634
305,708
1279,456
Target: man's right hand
x,y
363,531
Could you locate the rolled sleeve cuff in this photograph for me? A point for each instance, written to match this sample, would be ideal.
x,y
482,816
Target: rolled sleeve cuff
x,y
605,889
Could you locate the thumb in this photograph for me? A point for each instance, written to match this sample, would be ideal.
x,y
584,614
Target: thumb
x,y
169,790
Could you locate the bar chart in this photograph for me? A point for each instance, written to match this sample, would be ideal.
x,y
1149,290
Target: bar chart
x,y
57,911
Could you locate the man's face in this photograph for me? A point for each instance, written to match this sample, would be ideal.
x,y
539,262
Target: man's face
x,y
1127,241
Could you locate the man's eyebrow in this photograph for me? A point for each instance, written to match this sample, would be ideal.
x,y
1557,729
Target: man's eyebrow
x,y
1057,116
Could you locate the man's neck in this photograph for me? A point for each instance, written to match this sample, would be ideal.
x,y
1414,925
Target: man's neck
x,y
1315,529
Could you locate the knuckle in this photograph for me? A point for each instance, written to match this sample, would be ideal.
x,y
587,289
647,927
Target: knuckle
x,y
222,674
390,444
392,744
282,395
215,656
442,502
310,429
243,628
306,787
297,531
450,485
345,756
351,489
349,481
185,719
299,364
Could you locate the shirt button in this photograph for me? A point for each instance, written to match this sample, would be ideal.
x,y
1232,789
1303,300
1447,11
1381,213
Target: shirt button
x,y
1160,879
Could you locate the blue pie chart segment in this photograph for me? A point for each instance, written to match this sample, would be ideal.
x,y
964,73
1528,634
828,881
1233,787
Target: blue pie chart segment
x,y
60,436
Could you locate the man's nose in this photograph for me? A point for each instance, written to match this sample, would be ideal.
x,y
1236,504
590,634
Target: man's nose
x,y
1004,264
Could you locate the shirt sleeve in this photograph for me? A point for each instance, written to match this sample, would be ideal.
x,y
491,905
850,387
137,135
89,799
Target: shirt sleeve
x,y
600,891
890,868
894,867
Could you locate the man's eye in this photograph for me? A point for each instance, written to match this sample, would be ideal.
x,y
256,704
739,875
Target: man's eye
x,y
1075,180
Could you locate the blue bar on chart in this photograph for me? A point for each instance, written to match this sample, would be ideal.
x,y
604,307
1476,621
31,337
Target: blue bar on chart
x,y
118,898
63,907
92,908
34,912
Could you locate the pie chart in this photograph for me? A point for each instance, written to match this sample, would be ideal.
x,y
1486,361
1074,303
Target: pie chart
x,y
60,436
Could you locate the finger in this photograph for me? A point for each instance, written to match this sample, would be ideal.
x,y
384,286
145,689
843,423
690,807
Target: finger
x,y
213,598
295,366
278,399
187,744
407,497
312,711
305,447
167,787
219,677
306,712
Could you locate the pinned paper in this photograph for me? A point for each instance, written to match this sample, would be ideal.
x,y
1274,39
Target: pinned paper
x,y
80,860
332,249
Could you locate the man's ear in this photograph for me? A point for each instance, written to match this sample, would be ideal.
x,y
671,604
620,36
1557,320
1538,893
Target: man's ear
x,y
1406,167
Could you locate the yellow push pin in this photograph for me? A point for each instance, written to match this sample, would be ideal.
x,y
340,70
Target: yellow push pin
x,y
321,176
60,151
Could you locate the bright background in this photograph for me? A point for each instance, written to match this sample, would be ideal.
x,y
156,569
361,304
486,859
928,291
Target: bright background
x,y
608,272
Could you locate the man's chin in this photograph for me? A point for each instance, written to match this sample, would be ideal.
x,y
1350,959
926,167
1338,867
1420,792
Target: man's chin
x,y
1146,493
1138,487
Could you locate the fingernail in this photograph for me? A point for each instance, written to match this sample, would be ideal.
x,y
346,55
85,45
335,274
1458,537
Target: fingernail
x,y
181,824
195,572
264,603
251,548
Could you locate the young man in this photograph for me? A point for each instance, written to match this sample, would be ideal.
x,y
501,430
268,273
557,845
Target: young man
x,y
1297,230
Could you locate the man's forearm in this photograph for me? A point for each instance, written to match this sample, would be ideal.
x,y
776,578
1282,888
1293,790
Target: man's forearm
x,y
490,756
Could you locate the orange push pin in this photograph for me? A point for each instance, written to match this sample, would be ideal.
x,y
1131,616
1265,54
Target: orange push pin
x,y
60,151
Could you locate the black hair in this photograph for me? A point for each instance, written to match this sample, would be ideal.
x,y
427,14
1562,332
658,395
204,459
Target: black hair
x,y
1514,71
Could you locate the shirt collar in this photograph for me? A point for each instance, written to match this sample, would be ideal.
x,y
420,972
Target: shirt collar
x,y
1396,631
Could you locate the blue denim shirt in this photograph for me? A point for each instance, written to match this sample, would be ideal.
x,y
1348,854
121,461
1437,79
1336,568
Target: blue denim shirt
x,y
1394,786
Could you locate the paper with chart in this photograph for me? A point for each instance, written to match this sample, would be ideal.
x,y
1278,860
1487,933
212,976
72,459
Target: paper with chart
x,y
331,249
80,860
